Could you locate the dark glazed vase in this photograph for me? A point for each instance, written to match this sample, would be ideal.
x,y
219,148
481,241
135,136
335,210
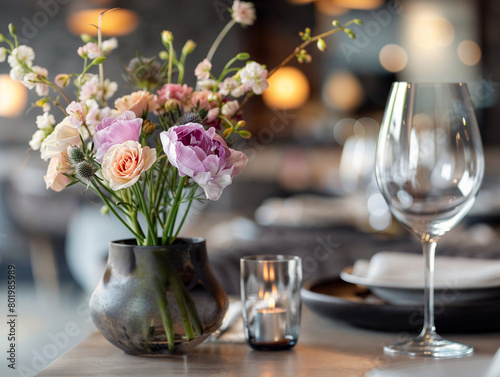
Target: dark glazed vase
x,y
158,300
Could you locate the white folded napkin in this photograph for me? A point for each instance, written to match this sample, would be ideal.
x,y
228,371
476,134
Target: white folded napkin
x,y
408,270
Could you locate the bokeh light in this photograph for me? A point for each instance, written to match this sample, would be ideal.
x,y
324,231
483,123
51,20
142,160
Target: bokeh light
x,y
329,8
469,52
13,97
393,57
343,91
115,23
288,89
358,4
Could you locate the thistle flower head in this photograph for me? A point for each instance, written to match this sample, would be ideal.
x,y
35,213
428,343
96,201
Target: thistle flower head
x,y
76,155
84,170
189,118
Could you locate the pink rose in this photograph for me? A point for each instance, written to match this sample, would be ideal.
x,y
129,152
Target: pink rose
x,y
204,156
140,102
112,131
58,166
124,163
174,91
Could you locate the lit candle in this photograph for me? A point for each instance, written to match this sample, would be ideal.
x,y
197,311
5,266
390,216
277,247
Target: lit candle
x,y
270,324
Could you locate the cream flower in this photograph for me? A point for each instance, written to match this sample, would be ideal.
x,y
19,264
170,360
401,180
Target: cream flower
x,y
17,73
45,121
37,139
230,108
21,54
243,12
231,86
58,166
254,77
32,80
76,114
89,50
207,84
124,163
29,80
140,102
202,70
109,45
63,136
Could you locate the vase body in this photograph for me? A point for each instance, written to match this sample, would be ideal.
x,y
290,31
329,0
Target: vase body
x,y
150,296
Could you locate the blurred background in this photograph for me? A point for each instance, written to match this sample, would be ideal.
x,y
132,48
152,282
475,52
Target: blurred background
x,y
310,159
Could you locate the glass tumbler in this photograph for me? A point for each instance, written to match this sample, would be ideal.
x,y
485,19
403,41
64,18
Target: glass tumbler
x,y
270,292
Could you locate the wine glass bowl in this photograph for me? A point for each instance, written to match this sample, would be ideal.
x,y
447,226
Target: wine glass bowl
x,y
429,168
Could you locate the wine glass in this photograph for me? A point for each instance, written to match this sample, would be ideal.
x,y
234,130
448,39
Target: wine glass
x,y
429,168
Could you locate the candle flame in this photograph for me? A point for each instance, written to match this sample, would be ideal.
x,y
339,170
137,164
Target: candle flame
x,y
274,290
271,273
272,304
266,295
261,292
265,271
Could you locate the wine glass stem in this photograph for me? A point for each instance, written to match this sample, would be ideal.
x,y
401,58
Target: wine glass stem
x,y
429,250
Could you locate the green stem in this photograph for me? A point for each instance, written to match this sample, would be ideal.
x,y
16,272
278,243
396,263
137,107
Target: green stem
x,y
184,302
150,234
304,45
132,214
190,200
111,208
170,61
219,39
171,218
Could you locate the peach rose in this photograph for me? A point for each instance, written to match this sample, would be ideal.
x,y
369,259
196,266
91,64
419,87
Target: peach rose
x,y
124,163
63,136
58,166
139,102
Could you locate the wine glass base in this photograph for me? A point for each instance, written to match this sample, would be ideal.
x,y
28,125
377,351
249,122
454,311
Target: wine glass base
x,y
429,346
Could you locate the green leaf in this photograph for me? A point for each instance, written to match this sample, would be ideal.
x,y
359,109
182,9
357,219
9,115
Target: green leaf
x,y
99,60
245,134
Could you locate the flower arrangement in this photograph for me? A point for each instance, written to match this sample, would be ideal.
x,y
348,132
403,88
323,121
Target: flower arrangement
x,y
138,165
151,151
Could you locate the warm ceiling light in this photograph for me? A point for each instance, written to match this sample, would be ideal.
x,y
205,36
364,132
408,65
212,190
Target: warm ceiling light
x,y
115,23
430,30
300,1
358,4
13,97
469,52
343,91
329,8
393,57
288,89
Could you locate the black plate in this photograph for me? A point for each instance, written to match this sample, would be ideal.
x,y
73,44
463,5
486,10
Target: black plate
x,y
336,299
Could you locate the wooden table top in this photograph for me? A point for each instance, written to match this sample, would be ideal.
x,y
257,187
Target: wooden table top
x,y
325,348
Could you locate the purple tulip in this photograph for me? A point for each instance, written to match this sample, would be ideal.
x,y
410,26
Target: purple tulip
x,y
204,156
112,131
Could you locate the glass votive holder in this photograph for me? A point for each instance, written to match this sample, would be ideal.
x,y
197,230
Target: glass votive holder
x,y
270,293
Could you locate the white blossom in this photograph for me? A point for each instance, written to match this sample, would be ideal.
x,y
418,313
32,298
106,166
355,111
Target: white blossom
x,y
254,77
21,54
45,121
37,139
109,45
230,108
243,12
